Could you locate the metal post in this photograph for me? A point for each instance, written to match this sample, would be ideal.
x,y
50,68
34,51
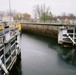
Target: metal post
x,y
3,67
10,9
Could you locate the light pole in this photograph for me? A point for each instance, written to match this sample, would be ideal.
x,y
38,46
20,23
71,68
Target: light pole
x,y
10,9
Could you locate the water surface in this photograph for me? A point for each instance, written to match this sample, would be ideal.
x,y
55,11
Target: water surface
x,y
41,56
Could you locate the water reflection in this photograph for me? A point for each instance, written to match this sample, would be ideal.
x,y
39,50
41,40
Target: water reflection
x,y
68,54
17,69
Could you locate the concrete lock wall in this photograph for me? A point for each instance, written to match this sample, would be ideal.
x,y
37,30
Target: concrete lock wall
x,y
46,30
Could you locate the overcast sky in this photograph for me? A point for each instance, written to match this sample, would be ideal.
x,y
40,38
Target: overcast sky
x,y
57,6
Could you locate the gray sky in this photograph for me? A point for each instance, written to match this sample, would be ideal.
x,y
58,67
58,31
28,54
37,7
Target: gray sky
x,y
57,6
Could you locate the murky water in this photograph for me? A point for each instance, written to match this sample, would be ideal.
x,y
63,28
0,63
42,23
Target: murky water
x,y
43,56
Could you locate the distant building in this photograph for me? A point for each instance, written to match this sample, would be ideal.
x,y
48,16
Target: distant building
x,y
8,18
67,19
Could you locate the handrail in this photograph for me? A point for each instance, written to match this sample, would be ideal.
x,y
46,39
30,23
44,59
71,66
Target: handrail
x,y
3,67
71,39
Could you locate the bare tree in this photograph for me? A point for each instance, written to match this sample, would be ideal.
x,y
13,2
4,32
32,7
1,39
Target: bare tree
x,y
12,13
26,16
18,16
2,14
40,9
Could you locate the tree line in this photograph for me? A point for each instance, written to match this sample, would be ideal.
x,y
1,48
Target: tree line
x,y
41,13
16,15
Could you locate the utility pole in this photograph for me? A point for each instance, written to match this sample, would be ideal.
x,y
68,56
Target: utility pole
x,y
10,9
